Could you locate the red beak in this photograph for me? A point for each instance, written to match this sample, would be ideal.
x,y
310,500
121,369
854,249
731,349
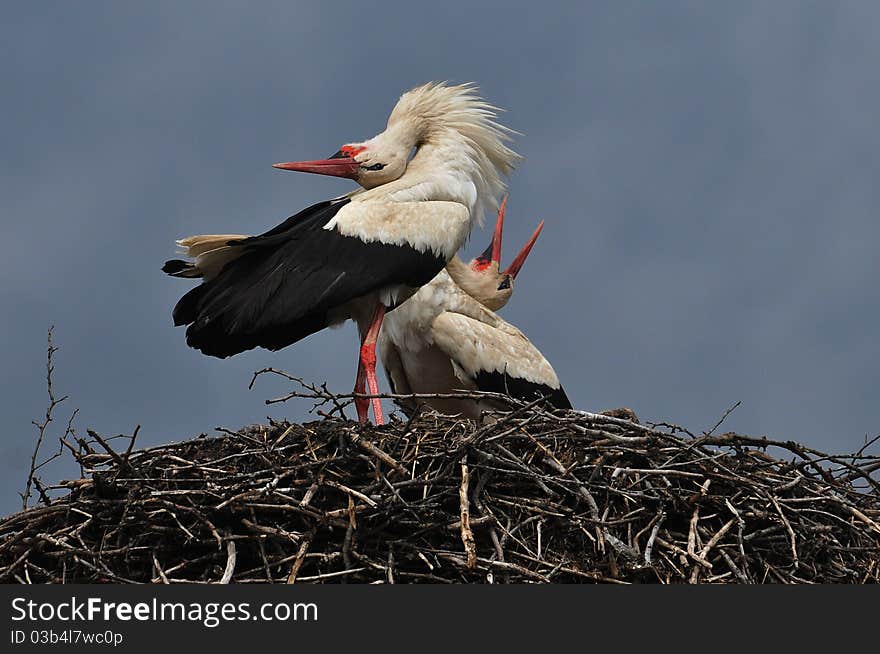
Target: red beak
x,y
493,252
336,167
499,229
514,268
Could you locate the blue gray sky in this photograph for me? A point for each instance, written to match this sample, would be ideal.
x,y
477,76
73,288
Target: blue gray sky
x,y
708,173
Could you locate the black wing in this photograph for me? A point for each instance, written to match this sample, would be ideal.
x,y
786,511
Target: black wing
x,y
282,286
521,389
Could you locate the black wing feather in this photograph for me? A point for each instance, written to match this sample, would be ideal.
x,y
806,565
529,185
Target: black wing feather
x,y
521,389
281,288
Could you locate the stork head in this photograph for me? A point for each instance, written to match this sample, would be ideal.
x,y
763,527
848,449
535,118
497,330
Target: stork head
x,y
451,121
370,163
485,280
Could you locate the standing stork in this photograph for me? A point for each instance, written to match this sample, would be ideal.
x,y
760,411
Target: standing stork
x,y
426,179
447,338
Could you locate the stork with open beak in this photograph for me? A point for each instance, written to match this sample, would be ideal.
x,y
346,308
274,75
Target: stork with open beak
x,y
360,255
448,338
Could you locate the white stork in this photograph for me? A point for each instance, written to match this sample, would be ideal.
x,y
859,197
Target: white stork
x,y
426,179
447,338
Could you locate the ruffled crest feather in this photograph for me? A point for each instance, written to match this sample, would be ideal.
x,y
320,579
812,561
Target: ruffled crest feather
x,y
439,111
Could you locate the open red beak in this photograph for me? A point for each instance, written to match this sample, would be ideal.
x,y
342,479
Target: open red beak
x,y
514,268
496,235
335,167
493,252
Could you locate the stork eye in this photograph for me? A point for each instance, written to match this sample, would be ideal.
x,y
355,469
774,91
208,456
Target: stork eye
x,y
378,166
505,283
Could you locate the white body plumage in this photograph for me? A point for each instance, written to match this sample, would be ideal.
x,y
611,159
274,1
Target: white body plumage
x,y
443,340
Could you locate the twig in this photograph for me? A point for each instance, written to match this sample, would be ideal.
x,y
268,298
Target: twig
x,y
48,417
230,562
467,535
300,558
730,410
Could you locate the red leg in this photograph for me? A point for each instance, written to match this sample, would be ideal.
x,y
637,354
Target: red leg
x,y
373,386
361,404
367,370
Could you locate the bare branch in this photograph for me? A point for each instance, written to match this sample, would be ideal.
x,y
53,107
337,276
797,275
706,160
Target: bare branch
x,y
43,425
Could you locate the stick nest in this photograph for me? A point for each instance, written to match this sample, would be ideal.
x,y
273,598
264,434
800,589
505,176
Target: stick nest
x,y
527,496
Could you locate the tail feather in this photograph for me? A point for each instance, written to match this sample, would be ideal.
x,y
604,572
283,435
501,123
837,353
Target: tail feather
x,y
178,268
194,246
210,252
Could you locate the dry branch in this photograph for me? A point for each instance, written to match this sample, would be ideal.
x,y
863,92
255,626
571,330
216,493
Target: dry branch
x,y
41,427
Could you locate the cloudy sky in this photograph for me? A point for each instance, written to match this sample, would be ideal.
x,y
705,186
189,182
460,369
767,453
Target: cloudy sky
x,y
708,173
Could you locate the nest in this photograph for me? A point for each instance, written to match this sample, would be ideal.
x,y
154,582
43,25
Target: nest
x,y
527,496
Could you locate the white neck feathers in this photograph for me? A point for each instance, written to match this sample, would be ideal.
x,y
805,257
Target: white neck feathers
x,y
454,130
